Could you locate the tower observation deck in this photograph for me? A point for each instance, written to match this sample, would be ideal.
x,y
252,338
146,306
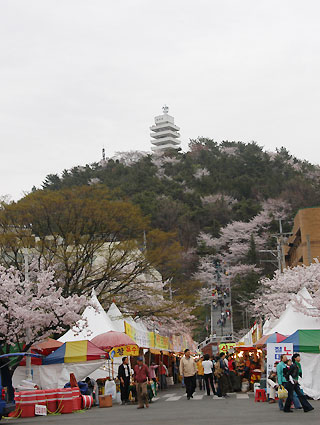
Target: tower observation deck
x,y
165,134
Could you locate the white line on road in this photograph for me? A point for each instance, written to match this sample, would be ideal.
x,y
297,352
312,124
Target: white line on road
x,y
176,398
242,396
198,397
169,395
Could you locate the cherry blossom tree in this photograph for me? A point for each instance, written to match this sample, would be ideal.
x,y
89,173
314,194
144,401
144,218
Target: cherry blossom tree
x,y
33,309
233,246
277,292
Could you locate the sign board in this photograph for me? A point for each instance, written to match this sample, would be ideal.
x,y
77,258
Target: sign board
x,y
40,410
274,352
226,346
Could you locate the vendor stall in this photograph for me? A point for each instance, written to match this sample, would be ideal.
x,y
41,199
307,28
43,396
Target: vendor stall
x,y
78,357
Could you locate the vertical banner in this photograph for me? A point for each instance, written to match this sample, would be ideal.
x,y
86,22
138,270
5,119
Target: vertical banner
x,y
274,352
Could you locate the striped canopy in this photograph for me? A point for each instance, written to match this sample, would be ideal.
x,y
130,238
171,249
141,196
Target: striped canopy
x,y
271,338
75,352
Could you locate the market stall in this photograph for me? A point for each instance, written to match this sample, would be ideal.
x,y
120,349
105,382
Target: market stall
x,y
78,357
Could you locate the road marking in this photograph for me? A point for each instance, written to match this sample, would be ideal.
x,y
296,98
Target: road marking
x,y
198,397
176,398
155,398
242,396
169,395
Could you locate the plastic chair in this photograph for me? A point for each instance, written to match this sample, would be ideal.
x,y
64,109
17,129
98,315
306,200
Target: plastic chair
x,y
260,395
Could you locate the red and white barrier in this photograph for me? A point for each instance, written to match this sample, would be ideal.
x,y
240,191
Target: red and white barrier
x,y
87,401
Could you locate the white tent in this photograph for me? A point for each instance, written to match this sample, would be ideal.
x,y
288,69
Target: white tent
x,y
57,375
97,322
291,319
289,322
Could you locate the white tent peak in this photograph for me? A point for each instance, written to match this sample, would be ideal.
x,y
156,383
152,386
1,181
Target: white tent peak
x,y
97,321
292,319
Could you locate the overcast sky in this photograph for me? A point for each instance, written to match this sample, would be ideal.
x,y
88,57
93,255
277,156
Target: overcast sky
x,y
77,75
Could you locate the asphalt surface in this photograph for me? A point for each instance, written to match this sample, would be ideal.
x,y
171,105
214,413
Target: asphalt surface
x,y
173,408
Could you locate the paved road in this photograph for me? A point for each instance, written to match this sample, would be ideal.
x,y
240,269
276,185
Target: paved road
x,y
173,408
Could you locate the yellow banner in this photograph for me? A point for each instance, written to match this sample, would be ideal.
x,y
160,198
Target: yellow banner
x,y
125,350
161,342
130,331
151,339
223,348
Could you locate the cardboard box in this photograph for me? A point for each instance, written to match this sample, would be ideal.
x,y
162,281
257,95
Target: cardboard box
x,y
105,400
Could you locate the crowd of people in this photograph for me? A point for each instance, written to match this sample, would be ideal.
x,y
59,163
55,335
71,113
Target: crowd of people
x,y
217,376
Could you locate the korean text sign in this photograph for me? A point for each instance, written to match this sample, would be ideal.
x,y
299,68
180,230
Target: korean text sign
x,y
274,352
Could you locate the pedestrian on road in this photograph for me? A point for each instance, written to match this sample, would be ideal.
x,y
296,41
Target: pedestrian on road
x,y
141,379
293,377
283,379
223,376
188,370
200,374
124,377
208,374
152,371
163,372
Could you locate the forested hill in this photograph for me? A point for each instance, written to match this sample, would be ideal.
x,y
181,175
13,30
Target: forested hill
x,y
204,189
221,201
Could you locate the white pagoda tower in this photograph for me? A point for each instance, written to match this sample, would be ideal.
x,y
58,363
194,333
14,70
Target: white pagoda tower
x,y
165,134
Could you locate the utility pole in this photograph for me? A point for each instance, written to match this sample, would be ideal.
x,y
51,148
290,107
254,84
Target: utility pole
x,y
25,252
279,252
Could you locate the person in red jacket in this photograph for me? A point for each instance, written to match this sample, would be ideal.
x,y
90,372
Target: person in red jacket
x,y
141,379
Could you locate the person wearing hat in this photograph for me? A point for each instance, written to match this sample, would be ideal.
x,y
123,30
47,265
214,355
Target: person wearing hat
x,y
141,379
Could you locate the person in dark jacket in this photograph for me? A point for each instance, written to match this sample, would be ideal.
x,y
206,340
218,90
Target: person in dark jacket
x,y
293,375
124,377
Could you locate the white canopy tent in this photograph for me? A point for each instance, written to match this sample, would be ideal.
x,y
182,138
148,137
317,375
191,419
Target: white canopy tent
x,y
56,375
289,322
95,321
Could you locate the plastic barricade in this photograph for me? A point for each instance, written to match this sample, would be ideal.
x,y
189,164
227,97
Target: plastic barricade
x,y
41,397
51,400
65,400
28,400
16,413
76,397
87,401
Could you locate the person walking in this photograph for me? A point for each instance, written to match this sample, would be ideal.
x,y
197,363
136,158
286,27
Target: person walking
x,y
293,377
124,377
208,373
188,370
200,374
223,379
283,379
141,379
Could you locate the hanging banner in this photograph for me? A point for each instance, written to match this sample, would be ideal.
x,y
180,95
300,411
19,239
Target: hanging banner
x,y
130,331
151,339
223,348
161,342
125,350
143,339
